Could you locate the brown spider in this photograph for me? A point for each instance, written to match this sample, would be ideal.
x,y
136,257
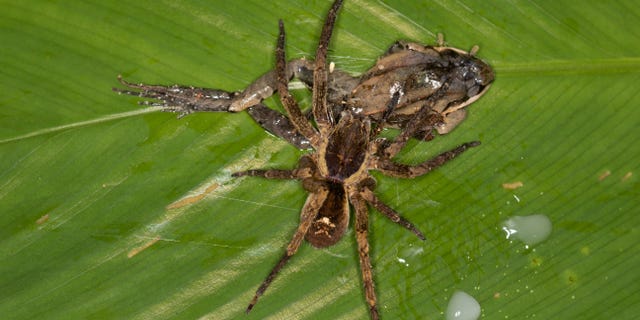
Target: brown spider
x,y
337,173
415,88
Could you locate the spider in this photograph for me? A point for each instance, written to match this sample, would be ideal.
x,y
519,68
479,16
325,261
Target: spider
x,y
344,141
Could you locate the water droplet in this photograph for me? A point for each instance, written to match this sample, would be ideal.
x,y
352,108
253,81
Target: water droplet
x,y
531,229
462,306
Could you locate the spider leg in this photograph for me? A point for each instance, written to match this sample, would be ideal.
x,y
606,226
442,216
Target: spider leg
x,y
312,205
389,212
388,111
305,169
390,168
362,227
294,113
424,119
320,112
278,124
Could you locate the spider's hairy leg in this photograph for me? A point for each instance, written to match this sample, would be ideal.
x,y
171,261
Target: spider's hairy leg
x,y
391,106
312,205
278,124
425,119
305,169
294,113
390,168
320,111
362,230
389,212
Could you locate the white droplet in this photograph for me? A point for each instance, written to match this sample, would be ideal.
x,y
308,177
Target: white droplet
x,y
531,229
462,306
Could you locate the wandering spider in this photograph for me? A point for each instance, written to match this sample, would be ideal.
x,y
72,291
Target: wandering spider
x,y
345,138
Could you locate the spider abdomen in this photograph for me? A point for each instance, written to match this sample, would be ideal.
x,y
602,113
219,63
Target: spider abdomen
x,y
332,219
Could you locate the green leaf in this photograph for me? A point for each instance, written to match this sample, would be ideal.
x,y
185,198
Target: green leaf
x,y
112,211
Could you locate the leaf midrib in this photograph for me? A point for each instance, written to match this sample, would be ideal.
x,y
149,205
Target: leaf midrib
x,y
570,67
